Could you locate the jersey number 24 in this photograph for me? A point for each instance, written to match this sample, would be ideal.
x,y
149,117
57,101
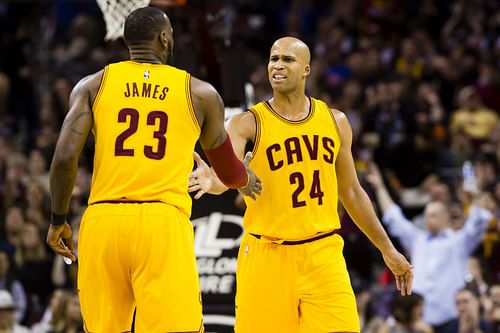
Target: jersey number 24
x,y
315,192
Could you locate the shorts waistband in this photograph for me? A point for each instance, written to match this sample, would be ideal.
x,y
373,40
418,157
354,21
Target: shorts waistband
x,y
302,241
125,202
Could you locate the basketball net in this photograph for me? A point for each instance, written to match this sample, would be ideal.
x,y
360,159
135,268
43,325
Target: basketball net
x,y
115,12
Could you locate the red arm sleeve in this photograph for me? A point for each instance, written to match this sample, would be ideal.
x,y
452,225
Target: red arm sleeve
x,y
230,170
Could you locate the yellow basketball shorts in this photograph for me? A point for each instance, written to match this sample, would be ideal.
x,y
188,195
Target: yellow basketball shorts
x,y
294,288
138,256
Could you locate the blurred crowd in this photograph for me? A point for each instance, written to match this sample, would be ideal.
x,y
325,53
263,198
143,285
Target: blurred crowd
x,y
418,79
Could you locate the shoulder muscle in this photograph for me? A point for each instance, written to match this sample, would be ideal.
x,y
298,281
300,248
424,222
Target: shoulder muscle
x,y
242,125
205,99
343,125
89,85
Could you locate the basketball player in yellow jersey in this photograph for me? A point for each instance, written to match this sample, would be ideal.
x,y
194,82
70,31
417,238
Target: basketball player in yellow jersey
x,y
291,275
136,250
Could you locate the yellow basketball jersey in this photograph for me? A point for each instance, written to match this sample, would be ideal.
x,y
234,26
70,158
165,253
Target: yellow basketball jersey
x,y
145,131
296,163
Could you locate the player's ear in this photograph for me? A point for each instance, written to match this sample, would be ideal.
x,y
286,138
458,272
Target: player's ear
x,y
307,70
164,38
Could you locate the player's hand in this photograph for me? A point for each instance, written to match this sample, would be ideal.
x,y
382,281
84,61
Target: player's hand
x,y
254,186
204,179
401,269
60,239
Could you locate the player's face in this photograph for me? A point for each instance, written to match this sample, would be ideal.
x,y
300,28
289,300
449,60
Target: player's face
x,y
286,68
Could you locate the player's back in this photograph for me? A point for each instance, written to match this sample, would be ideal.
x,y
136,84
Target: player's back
x,y
145,130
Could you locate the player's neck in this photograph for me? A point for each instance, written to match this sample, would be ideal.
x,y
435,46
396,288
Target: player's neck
x,y
292,106
146,54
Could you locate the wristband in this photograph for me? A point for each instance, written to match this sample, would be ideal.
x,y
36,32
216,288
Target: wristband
x,y
58,219
230,170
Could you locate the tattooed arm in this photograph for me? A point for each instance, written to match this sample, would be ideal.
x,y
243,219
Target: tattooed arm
x,y
209,109
73,136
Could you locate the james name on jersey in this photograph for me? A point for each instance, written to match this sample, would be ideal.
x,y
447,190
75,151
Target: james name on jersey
x,y
134,89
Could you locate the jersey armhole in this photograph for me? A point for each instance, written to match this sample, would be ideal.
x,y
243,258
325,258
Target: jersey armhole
x,y
97,97
258,129
189,100
335,125
100,89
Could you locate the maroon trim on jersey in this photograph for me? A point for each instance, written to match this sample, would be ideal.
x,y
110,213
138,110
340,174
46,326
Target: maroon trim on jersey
x,y
258,126
292,122
302,241
125,201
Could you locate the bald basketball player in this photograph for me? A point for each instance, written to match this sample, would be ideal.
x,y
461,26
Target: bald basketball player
x,y
135,243
291,274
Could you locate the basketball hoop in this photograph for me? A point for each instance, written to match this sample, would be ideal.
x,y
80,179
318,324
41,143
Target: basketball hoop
x,y
115,12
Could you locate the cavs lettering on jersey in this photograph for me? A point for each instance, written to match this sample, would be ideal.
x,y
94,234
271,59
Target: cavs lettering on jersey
x,y
145,131
296,163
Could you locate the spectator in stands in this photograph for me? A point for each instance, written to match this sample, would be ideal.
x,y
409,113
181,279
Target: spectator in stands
x,y
54,314
406,316
65,315
488,85
369,320
454,154
487,171
469,316
37,204
492,308
472,117
410,63
351,103
14,186
391,117
33,267
37,168
438,253
73,322
8,308
476,277
9,282
14,220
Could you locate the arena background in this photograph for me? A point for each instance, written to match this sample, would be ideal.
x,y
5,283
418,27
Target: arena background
x,y
402,71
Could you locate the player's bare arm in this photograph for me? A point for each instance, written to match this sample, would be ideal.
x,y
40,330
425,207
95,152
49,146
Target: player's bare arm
x,y
72,138
209,110
215,141
241,128
358,205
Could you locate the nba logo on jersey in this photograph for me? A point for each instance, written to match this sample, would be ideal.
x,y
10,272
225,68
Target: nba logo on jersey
x,y
146,74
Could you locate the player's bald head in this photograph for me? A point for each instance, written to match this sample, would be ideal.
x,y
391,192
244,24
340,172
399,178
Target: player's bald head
x,y
144,24
294,46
